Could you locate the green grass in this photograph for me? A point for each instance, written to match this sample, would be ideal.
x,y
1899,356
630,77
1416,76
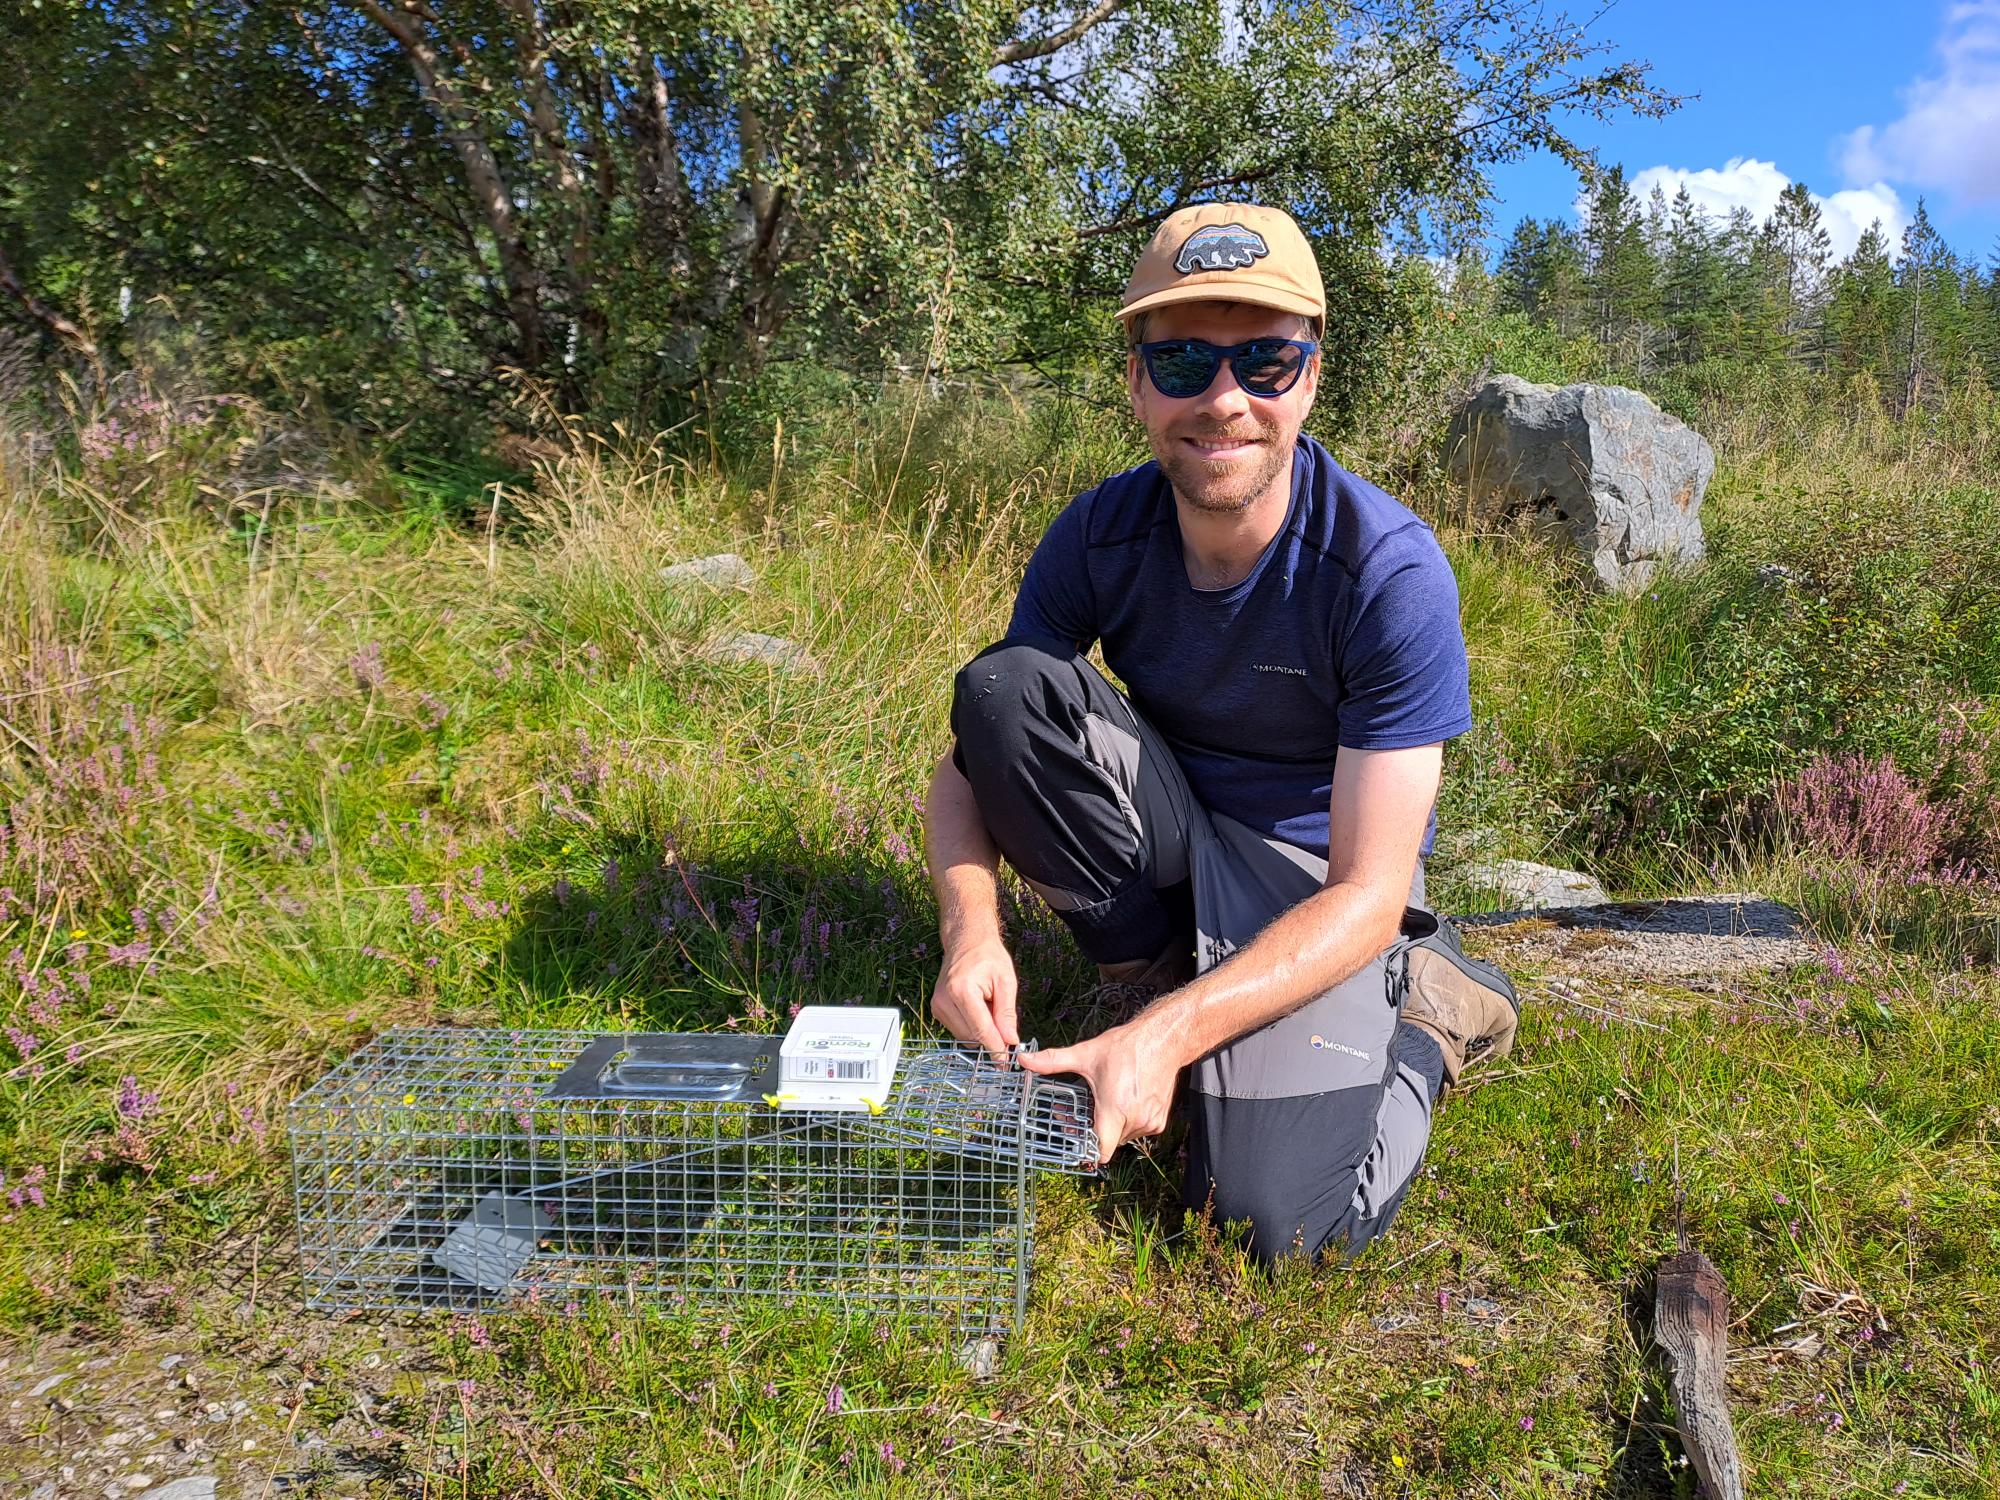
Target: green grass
x,y
366,716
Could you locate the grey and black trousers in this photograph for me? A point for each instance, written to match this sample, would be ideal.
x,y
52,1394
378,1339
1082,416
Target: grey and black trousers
x,y
1311,1128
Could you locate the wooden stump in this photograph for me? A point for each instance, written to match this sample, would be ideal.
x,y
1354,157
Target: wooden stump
x,y
1691,1322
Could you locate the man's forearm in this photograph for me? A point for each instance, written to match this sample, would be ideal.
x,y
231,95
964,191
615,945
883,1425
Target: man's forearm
x,y
1308,949
964,862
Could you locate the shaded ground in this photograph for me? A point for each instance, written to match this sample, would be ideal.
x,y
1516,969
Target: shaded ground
x,y
1690,940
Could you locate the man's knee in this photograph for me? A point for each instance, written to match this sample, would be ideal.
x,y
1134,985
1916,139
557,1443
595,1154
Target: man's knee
x,y
997,695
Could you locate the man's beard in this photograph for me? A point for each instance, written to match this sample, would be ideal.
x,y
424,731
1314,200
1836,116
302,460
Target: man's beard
x,y
1222,489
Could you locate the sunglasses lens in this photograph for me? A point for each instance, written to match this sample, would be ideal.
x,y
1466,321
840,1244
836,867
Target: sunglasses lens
x,y
1269,366
1182,368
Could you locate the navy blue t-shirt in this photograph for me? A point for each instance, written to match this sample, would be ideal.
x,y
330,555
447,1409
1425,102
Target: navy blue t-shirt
x,y
1345,633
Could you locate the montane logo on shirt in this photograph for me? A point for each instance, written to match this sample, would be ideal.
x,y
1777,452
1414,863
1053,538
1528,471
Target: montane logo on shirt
x,y
1266,666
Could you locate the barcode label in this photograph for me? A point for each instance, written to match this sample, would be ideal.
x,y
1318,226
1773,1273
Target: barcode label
x,y
856,1072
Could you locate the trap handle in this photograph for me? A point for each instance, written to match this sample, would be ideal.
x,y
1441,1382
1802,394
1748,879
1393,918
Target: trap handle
x,y
696,1068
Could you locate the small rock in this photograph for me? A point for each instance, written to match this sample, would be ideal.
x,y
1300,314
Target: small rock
x,y
752,646
249,1444
1528,886
63,1405
193,1487
371,1362
1394,1322
164,1415
119,1439
1480,1307
138,1481
168,1361
725,570
50,1384
980,1357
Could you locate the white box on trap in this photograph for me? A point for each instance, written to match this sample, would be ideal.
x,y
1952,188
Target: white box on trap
x,y
840,1057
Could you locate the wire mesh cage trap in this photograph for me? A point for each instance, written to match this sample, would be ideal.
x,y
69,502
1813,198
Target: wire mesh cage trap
x,y
449,1168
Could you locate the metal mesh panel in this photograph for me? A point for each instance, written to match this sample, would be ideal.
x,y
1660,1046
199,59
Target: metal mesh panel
x,y
441,1167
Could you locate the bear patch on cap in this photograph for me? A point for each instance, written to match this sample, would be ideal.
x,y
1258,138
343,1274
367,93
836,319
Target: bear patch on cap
x,y
1220,247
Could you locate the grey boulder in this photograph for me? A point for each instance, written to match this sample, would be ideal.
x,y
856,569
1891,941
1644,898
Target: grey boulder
x,y
1598,466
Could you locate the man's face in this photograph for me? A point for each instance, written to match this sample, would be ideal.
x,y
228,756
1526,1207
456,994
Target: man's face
x,y
1225,447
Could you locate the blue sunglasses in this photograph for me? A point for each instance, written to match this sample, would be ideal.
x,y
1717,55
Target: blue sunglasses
x,y
1181,368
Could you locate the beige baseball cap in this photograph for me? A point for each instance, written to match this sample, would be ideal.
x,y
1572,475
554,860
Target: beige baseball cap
x,y
1235,252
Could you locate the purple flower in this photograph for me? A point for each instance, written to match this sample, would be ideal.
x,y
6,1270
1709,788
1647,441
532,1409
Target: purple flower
x,y
366,665
835,1400
1527,1424
133,1102
26,1190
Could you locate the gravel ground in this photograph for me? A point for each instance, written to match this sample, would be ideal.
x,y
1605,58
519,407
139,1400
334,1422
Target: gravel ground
x,y
1692,941
240,1418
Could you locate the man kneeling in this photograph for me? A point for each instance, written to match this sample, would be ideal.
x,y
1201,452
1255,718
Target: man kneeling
x,y
1238,838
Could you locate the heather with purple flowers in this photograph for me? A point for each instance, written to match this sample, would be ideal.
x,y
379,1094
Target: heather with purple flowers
x,y
1887,852
1855,810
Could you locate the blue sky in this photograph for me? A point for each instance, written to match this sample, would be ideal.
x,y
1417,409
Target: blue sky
x,y
1871,104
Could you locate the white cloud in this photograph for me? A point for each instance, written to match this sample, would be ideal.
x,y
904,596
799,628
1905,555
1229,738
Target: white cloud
x,y
1746,182
1851,210
1948,136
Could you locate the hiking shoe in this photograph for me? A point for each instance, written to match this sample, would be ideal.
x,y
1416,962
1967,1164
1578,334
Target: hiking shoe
x,y
1466,1005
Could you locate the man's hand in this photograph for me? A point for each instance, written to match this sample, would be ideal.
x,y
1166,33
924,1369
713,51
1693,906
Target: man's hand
x,y
975,994
1131,1071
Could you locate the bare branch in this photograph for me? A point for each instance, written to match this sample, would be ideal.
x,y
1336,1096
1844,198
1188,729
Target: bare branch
x,y
1030,48
482,171
1207,184
44,314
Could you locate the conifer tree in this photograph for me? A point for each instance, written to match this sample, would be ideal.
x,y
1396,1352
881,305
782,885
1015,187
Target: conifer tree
x,y
1750,306
1861,314
1541,273
1692,301
1798,240
1622,272
1986,319
1920,270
